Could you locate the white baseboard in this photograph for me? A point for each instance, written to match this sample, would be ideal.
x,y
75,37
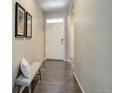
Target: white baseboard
x,y
72,65
44,59
81,87
67,60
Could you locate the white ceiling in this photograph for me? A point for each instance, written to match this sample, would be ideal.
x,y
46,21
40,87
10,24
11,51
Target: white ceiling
x,y
54,5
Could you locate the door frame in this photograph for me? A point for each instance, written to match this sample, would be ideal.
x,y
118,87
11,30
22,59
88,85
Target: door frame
x,y
63,37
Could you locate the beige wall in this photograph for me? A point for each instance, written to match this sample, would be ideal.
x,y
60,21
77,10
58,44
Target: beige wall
x,y
93,45
32,49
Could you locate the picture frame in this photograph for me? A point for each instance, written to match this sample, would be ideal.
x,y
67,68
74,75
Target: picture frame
x,y
28,25
19,21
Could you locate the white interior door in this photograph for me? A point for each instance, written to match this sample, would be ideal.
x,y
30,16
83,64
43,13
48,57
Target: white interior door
x,y
55,41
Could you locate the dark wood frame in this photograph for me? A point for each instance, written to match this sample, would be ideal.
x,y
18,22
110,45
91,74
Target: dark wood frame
x,y
28,14
17,5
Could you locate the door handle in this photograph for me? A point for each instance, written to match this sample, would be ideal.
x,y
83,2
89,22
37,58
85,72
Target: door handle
x,y
62,41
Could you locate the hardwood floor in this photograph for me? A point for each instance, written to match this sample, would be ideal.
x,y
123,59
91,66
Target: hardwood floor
x,y
57,77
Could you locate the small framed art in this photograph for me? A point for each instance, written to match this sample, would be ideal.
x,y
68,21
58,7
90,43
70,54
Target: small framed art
x,y
28,25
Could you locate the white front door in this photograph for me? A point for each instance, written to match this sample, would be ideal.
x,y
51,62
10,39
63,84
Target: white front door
x,y
55,41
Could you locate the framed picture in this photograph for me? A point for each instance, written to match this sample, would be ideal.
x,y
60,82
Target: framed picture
x,y
28,25
19,21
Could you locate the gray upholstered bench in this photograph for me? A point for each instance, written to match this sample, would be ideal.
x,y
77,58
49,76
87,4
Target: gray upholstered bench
x,y
23,82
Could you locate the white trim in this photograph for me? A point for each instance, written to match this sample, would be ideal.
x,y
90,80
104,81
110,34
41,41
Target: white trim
x,y
54,59
44,59
81,87
67,60
54,20
72,65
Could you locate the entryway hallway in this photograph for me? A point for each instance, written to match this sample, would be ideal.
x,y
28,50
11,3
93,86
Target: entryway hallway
x,y
57,77
79,32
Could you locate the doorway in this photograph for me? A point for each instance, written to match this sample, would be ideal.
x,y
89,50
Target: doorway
x,y
55,39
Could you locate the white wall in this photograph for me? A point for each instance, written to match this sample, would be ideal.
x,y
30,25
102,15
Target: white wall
x,y
93,45
32,49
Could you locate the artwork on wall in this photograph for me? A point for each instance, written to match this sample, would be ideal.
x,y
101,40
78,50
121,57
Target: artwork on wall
x,y
28,25
23,22
19,21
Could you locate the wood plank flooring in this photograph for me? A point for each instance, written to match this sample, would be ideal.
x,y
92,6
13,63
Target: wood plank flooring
x,y
57,77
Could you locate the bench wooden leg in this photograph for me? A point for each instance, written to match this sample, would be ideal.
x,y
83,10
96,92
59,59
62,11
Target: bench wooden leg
x,y
29,89
40,74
